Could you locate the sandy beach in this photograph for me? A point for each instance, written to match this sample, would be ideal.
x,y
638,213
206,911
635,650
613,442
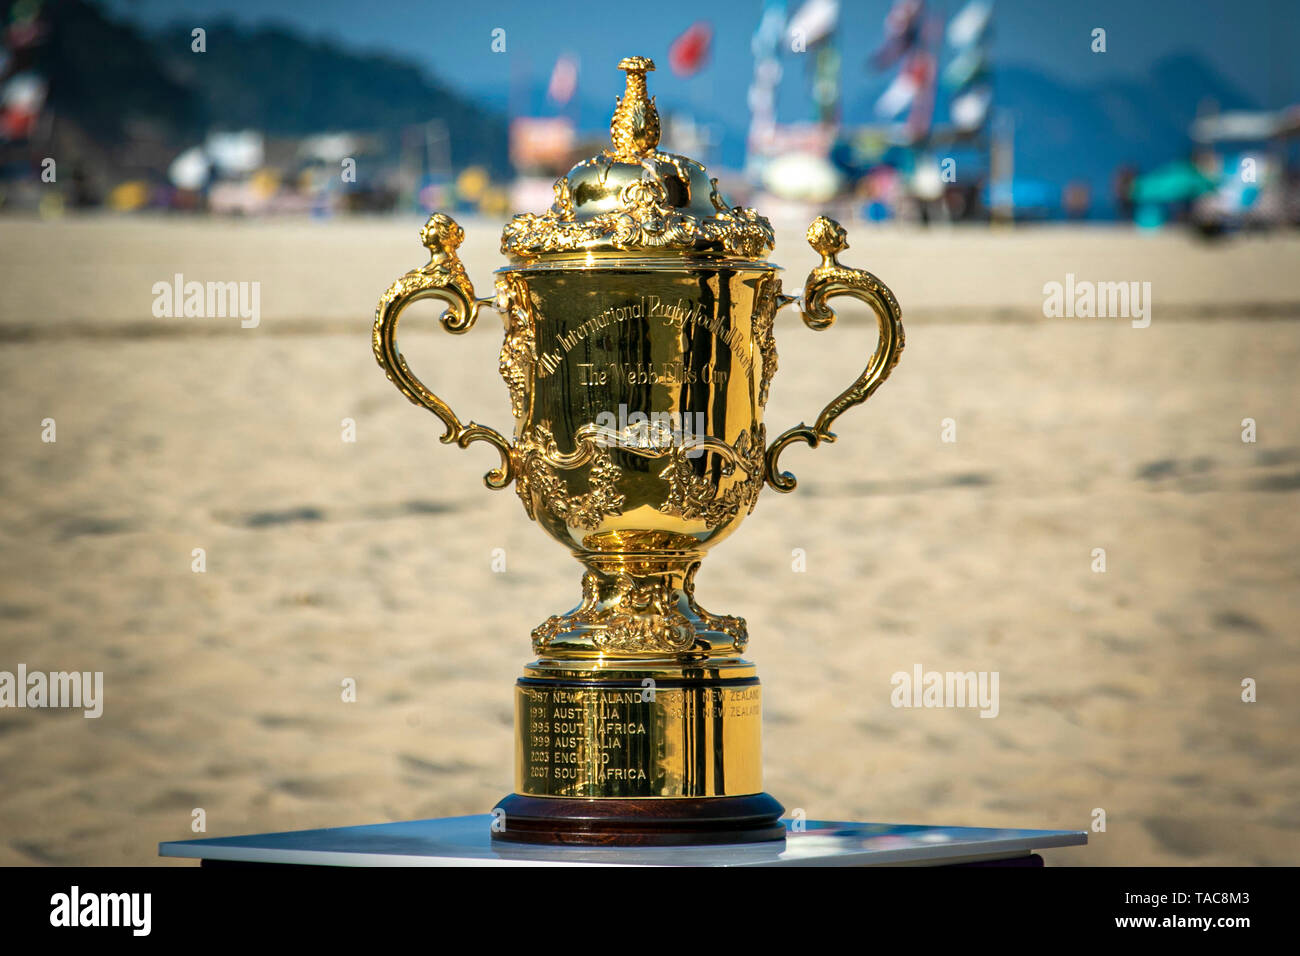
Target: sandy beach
x,y
372,560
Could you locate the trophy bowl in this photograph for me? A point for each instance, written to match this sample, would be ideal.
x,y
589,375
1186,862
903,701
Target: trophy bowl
x,y
639,352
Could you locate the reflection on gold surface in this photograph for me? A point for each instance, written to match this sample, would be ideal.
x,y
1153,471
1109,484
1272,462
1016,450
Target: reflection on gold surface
x,y
639,352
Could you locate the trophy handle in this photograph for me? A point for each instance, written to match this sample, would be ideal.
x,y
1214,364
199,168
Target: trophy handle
x,y
829,279
444,278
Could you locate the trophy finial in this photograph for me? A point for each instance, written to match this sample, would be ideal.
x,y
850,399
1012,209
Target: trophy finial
x,y
634,129
828,238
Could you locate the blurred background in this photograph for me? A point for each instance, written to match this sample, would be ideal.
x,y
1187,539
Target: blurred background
x,y
976,152
919,112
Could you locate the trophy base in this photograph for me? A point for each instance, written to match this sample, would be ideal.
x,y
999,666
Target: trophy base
x,y
631,821
638,752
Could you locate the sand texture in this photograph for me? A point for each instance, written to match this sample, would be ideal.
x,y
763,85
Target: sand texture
x,y
372,560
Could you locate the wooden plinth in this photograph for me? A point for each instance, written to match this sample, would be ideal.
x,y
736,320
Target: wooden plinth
x,y
676,821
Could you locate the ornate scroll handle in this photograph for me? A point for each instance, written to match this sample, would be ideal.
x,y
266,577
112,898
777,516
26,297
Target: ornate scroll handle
x,y
443,278
830,279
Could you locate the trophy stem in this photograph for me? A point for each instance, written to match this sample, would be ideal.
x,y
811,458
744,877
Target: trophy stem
x,y
637,606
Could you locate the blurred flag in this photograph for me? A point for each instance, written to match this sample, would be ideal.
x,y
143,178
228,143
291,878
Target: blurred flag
x,y
970,23
966,67
21,99
766,42
921,67
902,33
690,51
815,21
970,109
968,73
26,28
913,85
897,97
766,47
564,80
826,82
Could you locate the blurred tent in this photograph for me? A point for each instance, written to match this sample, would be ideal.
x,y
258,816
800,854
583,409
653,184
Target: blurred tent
x,y
191,169
805,177
542,143
1246,126
1175,182
236,154
1245,154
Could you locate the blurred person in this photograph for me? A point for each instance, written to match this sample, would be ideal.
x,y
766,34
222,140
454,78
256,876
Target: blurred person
x,y
1122,185
1076,200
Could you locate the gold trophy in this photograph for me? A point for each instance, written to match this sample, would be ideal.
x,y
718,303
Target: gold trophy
x,y
638,354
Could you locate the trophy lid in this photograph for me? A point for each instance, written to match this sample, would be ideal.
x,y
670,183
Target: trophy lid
x,y
633,198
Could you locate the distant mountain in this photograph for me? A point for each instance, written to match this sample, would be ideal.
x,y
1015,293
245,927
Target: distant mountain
x,y
126,101
104,77
275,80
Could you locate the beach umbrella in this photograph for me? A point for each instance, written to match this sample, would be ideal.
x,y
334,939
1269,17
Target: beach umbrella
x,y
191,169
